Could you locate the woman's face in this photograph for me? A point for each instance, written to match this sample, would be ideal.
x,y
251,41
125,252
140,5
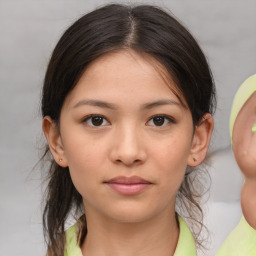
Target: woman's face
x,y
126,138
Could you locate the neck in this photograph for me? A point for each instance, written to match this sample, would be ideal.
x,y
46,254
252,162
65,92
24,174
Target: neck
x,y
155,236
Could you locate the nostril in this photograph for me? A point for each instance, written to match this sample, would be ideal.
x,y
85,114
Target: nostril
x,y
128,152
128,162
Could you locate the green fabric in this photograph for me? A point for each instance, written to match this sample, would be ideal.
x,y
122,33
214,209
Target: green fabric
x,y
185,247
186,244
72,248
240,242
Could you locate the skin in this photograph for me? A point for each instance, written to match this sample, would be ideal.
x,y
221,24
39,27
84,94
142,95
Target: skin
x,y
244,147
128,142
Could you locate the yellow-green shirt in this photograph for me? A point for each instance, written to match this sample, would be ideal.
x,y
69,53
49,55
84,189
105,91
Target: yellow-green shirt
x,y
240,242
185,246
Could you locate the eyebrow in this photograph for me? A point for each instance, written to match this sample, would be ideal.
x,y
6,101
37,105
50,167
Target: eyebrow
x,y
160,103
96,103
103,104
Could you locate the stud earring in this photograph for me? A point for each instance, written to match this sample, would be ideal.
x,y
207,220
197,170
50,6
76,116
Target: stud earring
x,y
60,160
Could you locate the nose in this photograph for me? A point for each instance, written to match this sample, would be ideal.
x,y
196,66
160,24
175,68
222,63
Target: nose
x,y
128,147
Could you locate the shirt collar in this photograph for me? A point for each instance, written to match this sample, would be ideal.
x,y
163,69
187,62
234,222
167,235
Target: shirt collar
x,y
185,246
186,243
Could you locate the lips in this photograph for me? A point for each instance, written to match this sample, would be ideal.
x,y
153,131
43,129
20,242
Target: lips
x,y
128,185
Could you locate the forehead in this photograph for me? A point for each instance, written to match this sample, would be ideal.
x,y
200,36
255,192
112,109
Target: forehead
x,y
127,69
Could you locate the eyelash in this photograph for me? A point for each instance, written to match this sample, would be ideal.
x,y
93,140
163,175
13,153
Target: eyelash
x,y
165,117
89,117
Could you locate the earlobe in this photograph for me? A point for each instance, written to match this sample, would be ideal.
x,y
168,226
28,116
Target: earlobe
x,y
201,140
53,137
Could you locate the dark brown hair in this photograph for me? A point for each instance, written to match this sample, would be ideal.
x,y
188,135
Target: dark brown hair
x,y
146,30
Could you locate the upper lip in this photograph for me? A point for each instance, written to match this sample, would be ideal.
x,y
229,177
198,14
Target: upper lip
x,y
128,180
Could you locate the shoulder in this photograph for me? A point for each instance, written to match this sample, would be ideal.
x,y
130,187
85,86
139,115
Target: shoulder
x,y
185,247
241,241
186,243
72,247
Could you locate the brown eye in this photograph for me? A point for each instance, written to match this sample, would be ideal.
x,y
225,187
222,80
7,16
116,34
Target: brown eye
x,y
158,120
95,121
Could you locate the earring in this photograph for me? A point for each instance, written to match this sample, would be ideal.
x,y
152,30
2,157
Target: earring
x,y
60,160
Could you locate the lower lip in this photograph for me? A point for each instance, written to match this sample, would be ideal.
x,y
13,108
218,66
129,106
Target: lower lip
x,y
129,189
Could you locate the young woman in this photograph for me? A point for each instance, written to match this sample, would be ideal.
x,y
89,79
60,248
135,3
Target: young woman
x,y
126,104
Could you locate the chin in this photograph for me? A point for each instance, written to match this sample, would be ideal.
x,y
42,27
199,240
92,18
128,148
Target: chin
x,y
132,214
127,218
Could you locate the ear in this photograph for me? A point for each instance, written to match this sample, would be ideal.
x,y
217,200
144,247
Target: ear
x,y
53,137
201,140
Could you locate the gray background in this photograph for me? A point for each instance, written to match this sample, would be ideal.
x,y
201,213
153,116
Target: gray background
x,y
28,32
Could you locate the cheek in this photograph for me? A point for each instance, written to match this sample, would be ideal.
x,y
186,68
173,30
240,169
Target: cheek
x,y
82,170
171,160
173,151
82,150
85,161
